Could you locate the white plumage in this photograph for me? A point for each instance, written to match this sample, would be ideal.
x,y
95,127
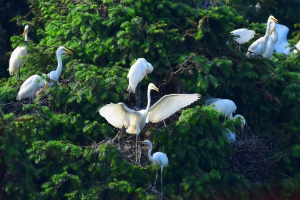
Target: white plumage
x,y
259,46
159,159
119,115
242,35
54,75
282,45
30,87
273,38
225,106
18,56
137,72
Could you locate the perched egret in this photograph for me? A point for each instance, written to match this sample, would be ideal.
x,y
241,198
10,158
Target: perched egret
x,y
18,56
226,107
282,45
242,35
273,38
136,73
159,159
119,115
30,87
259,46
54,75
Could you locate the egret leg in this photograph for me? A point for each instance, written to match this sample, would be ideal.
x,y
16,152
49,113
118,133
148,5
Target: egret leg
x,y
19,72
154,188
137,152
137,96
161,181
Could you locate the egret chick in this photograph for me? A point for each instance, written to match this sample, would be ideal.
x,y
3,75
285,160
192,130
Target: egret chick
x,y
273,38
30,87
18,56
259,46
159,159
119,115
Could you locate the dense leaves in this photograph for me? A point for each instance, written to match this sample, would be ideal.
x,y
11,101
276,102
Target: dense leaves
x,y
59,147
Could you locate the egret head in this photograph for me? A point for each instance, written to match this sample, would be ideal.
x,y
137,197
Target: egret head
x,y
151,86
272,19
25,32
149,68
62,51
241,120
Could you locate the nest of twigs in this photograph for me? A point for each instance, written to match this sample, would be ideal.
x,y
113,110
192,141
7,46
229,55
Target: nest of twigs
x,y
254,156
18,107
126,142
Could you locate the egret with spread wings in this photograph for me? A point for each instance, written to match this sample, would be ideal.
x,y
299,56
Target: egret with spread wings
x,y
119,115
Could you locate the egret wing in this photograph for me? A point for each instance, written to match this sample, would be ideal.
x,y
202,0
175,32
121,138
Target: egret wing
x,y
117,115
225,106
14,61
168,105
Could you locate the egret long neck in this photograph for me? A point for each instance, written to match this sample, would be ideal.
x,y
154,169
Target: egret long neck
x,y
59,65
149,153
268,31
26,36
149,99
275,37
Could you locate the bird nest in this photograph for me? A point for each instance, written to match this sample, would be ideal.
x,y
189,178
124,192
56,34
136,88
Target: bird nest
x,y
254,156
126,142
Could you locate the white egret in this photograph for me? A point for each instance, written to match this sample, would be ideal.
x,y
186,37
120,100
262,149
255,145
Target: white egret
x,y
18,56
136,73
242,35
54,75
226,107
119,115
159,159
259,46
30,87
273,38
282,45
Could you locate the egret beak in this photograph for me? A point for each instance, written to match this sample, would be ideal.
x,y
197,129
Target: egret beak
x,y
69,52
274,19
142,142
146,75
155,88
24,33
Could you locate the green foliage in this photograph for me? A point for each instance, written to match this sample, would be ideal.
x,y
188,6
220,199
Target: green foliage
x,y
56,147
